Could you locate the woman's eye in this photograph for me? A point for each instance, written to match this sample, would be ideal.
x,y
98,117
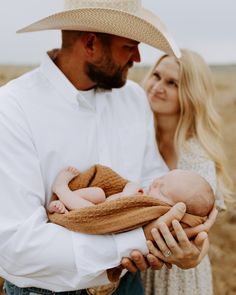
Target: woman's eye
x,y
172,83
156,75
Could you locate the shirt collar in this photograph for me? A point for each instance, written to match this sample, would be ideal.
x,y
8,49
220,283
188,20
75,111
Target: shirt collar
x,y
58,79
62,84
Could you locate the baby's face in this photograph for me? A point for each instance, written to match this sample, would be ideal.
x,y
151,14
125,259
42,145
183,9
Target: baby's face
x,y
157,190
170,188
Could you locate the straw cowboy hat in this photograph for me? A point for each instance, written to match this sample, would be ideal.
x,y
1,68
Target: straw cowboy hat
x,y
125,18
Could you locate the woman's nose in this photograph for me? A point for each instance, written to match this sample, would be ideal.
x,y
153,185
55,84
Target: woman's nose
x,y
158,87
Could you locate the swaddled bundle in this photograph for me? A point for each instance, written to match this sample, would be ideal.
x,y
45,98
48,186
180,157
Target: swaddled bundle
x,y
117,215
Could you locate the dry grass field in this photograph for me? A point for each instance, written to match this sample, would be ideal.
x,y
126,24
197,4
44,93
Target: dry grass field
x,y
223,238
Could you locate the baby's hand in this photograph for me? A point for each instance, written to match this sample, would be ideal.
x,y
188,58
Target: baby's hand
x,y
57,207
132,188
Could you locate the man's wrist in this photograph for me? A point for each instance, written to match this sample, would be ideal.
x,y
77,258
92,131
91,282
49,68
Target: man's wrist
x,y
129,241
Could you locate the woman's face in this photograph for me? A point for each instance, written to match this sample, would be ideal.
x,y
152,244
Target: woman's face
x,y
163,87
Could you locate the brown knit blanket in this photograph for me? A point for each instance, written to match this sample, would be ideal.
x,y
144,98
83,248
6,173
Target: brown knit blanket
x,y
113,216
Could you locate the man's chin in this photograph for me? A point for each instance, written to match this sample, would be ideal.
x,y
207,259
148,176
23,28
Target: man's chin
x,y
122,83
125,73
110,87
115,84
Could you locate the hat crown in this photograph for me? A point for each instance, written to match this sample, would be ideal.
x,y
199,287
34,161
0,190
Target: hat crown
x,y
130,6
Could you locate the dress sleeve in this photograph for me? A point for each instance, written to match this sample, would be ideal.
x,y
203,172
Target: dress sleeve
x,y
34,252
193,157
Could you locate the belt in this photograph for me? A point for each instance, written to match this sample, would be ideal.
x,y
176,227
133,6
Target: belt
x,y
103,290
108,289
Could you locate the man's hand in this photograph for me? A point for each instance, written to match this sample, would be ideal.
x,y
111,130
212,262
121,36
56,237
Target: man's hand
x,y
139,262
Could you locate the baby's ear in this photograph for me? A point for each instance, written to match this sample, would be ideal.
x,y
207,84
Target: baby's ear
x,y
156,183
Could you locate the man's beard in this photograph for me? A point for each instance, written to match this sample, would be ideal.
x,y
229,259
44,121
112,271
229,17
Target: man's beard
x,y
106,74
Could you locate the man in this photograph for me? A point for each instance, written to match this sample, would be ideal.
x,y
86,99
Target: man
x,y
77,109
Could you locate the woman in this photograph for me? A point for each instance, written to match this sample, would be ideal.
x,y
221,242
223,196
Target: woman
x,y
181,94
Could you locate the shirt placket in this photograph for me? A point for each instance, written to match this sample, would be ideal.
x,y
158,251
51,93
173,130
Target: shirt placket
x,y
102,122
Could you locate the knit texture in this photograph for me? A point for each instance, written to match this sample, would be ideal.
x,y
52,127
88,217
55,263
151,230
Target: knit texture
x,y
100,176
117,215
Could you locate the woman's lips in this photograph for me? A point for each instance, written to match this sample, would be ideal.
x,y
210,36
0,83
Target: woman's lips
x,y
155,97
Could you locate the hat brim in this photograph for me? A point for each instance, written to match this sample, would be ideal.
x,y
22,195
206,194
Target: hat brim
x,y
143,27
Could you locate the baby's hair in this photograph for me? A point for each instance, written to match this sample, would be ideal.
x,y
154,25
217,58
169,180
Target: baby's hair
x,y
202,198
202,204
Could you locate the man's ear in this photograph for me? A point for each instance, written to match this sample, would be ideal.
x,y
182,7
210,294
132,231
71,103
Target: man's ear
x,y
90,43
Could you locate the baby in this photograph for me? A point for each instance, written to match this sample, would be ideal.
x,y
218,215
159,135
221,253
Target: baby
x,y
176,186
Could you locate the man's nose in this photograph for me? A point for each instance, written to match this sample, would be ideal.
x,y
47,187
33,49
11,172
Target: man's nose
x,y
136,55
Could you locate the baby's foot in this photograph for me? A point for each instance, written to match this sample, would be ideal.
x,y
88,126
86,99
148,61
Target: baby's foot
x,y
63,178
57,207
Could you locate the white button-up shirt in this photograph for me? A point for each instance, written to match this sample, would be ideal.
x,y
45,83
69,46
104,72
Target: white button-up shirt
x,y
46,124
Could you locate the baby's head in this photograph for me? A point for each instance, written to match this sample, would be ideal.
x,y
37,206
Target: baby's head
x,y
184,186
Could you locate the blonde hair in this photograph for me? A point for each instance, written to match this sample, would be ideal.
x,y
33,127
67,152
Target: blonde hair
x,y
198,116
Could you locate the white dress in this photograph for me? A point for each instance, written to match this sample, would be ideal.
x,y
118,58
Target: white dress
x,y
198,280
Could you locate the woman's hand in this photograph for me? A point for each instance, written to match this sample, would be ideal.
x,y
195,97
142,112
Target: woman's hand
x,y
183,252
180,251
138,261
175,213
205,227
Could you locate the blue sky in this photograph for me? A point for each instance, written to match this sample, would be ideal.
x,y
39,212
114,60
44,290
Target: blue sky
x,y
206,26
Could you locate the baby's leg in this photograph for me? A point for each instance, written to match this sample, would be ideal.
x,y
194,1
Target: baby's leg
x,y
57,206
96,195
69,198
